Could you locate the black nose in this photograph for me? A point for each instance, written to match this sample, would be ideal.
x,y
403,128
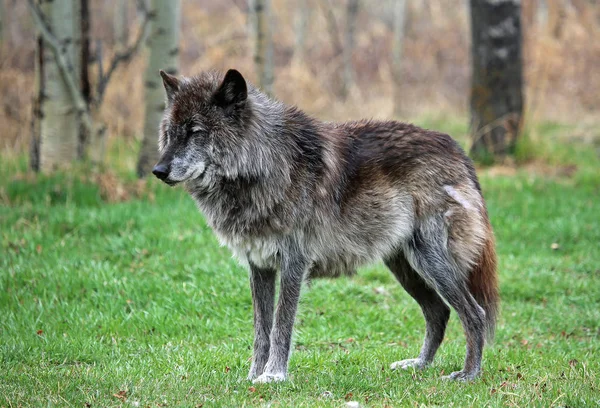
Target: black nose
x,y
161,171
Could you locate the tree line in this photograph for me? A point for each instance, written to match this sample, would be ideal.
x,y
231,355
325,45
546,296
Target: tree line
x,y
66,125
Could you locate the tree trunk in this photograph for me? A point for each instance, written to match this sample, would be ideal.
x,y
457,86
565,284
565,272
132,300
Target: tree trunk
x,y
2,23
397,48
497,81
37,113
59,128
163,45
121,24
83,49
263,51
302,16
348,50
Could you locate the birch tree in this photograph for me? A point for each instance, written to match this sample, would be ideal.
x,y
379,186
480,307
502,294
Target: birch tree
x,y
263,50
163,48
64,105
348,49
60,122
397,48
497,82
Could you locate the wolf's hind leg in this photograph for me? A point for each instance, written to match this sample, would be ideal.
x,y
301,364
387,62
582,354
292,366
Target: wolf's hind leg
x,y
428,254
434,310
262,284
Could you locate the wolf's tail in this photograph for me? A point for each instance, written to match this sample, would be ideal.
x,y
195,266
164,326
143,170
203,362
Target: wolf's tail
x,y
483,283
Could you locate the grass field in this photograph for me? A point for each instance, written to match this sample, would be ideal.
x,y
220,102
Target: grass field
x,y
135,304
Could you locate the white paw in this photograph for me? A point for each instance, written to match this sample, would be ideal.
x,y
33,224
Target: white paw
x,y
269,378
461,376
410,363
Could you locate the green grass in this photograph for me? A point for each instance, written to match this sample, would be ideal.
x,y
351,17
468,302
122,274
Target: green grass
x,y
137,298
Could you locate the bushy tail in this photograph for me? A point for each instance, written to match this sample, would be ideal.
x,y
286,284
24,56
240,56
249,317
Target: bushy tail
x,y
483,284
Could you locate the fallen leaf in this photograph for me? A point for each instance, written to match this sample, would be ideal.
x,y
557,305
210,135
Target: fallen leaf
x,y
573,362
348,396
122,395
227,369
39,332
252,389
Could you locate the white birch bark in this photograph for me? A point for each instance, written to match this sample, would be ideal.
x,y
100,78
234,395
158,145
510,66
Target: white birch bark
x,y
59,127
163,48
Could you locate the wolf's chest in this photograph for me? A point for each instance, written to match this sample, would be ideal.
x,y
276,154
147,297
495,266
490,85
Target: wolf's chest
x,y
262,252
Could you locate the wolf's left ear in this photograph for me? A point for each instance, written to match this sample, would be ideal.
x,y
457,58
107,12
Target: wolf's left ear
x,y
232,91
171,84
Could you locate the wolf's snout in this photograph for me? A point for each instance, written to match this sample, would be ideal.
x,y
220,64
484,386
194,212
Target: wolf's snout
x,y
161,171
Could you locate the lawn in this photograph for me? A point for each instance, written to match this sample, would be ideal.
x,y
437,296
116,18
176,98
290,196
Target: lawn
x,y
135,304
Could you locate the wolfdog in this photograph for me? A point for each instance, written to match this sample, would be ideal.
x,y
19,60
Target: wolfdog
x,y
294,196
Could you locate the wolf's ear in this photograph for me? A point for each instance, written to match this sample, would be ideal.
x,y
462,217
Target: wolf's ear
x,y
232,91
171,84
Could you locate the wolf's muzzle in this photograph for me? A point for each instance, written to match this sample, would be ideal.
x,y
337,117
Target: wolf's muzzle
x,y
161,171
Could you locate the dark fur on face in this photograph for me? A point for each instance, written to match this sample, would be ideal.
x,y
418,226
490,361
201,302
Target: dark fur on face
x,y
307,198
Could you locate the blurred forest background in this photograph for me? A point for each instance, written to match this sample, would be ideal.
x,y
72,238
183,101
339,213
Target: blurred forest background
x,y
336,59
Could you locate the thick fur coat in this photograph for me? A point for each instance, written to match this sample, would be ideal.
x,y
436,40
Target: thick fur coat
x,y
303,198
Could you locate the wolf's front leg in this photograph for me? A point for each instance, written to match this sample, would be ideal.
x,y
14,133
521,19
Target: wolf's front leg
x,y
292,274
262,284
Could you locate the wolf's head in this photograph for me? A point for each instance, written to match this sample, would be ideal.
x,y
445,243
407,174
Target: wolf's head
x,y
205,119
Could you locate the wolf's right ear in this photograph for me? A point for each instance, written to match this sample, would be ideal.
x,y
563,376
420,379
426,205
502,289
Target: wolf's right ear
x,y
171,84
232,91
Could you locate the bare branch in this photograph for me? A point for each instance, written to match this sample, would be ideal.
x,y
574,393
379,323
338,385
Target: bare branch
x,y
63,65
126,55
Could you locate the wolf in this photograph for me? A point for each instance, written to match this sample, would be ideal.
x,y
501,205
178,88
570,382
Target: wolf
x,y
297,198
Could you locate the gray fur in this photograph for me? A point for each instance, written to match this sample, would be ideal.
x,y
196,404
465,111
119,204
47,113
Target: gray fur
x,y
288,193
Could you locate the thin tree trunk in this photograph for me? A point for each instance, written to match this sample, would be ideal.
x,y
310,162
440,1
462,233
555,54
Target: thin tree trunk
x,y
2,23
301,18
59,133
121,24
163,44
332,26
348,50
397,48
497,81
84,73
263,52
37,113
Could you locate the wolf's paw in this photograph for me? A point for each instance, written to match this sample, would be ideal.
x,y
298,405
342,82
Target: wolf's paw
x,y
269,378
461,376
410,363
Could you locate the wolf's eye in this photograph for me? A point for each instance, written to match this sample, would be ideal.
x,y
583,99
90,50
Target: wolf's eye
x,y
197,132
